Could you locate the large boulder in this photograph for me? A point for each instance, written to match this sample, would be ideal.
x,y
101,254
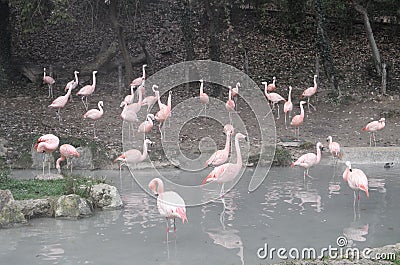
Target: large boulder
x,y
72,206
10,213
37,208
106,197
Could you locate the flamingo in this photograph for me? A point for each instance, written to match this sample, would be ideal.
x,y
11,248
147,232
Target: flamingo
x,y
308,160
273,97
147,125
203,98
227,172
334,149
49,81
288,106
235,93
271,87
230,104
133,156
357,181
129,98
46,144
67,151
138,81
137,105
95,114
74,83
129,114
298,120
60,103
309,92
164,112
372,127
220,156
169,203
87,90
151,100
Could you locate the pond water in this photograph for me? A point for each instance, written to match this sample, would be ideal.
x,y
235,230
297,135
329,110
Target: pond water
x,y
283,212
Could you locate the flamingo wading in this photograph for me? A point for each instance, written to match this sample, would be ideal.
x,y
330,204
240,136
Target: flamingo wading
x,y
308,160
46,144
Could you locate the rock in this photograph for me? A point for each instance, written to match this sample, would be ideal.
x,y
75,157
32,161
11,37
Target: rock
x,y
10,213
36,208
85,160
106,197
72,206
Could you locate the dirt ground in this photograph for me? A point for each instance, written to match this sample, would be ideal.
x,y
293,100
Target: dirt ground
x,y
24,117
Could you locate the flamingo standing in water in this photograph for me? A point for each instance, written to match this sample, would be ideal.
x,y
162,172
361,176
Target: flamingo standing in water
x,y
95,114
73,83
133,156
203,98
49,81
273,97
288,106
227,172
221,156
357,181
60,103
372,127
309,92
271,87
87,90
164,113
308,160
151,100
334,149
169,203
147,125
67,151
46,144
298,120
230,104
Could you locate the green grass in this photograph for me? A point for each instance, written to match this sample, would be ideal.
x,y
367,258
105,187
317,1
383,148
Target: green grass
x,y
35,189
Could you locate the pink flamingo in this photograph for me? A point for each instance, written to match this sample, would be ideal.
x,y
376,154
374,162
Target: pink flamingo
x,y
309,92
372,127
129,115
230,104
169,203
164,112
46,144
67,151
147,125
357,180
95,114
227,172
73,83
87,90
133,156
151,100
288,106
334,149
203,98
308,160
129,98
60,103
138,81
271,87
220,156
298,120
273,97
49,81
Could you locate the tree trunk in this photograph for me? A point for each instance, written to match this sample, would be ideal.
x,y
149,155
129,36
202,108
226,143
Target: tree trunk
x,y
121,41
187,30
324,48
384,75
370,35
5,44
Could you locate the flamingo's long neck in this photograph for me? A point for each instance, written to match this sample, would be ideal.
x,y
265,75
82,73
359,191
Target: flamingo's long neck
x,y
169,100
76,77
227,142
101,109
144,72
44,73
132,90
301,110
69,91
315,82
330,140
318,154
140,96
230,94
238,154
144,154
94,79
273,81
201,88
290,95
160,186
59,160
346,173
149,120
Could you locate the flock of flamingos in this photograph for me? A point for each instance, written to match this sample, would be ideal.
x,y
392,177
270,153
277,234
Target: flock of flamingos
x,y
169,203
